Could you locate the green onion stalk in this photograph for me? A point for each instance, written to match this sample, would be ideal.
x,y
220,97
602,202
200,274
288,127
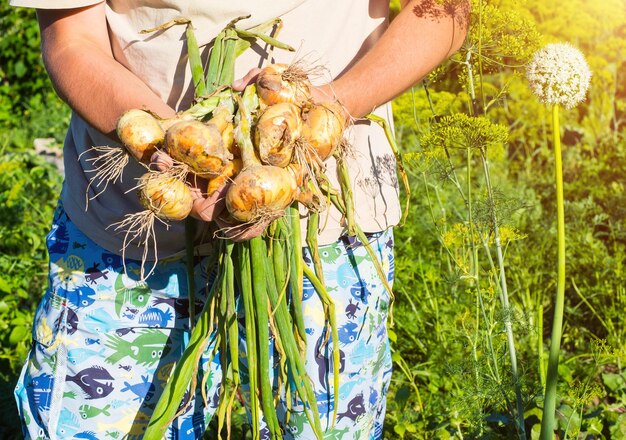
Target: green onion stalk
x,y
559,76
552,377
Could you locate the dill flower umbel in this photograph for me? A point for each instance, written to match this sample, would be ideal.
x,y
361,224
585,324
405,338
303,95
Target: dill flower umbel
x,y
559,74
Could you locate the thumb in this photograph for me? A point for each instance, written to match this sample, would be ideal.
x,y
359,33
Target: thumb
x,y
250,77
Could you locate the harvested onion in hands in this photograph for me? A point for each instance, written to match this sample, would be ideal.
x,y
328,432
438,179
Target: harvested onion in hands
x,y
140,133
167,197
198,145
270,155
322,129
277,130
283,83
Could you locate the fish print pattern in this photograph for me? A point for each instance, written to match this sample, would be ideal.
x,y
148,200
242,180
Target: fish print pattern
x,y
95,381
121,339
102,372
364,355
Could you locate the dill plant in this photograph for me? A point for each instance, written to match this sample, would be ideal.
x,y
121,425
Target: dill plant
x,y
456,141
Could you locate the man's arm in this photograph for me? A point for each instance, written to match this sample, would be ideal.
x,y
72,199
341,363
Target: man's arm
x,y
422,36
77,54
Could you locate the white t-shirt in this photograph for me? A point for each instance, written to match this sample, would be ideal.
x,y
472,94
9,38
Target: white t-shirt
x,y
328,33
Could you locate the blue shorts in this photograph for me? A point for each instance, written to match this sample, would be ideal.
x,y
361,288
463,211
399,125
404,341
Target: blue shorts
x,y
104,344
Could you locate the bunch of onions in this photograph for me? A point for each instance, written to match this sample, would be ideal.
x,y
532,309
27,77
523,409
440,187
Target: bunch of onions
x,y
141,134
263,154
201,148
271,154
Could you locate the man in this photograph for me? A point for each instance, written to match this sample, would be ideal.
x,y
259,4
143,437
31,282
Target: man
x,y
103,340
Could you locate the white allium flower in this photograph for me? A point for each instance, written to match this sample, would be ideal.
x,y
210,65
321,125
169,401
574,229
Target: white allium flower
x,y
559,74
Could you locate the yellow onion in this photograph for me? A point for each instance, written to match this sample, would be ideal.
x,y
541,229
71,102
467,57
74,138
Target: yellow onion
x,y
198,145
167,123
167,197
140,133
223,119
231,169
260,191
276,133
283,83
322,128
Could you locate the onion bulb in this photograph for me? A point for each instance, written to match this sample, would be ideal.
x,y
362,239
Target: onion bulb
x,y
223,119
198,145
231,169
167,197
283,83
167,123
276,133
140,133
260,191
322,128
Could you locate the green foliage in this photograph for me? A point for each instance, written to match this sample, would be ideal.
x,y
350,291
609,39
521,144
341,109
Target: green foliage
x,y
24,86
451,343
452,370
28,188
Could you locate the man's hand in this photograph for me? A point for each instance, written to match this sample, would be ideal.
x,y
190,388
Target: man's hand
x,y
238,232
205,208
240,84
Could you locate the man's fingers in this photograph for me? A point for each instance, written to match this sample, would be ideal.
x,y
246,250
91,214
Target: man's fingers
x,y
161,161
250,77
242,231
208,208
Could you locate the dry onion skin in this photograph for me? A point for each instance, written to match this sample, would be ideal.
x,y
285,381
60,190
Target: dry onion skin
x,y
167,197
167,123
140,133
260,191
231,169
283,83
276,133
198,145
322,129
222,118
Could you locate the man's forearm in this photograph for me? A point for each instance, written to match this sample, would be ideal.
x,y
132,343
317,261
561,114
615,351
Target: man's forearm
x,y
416,42
77,55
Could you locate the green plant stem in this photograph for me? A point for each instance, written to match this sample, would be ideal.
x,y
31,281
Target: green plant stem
x,y
346,193
505,300
167,406
245,272
549,406
258,254
475,274
299,377
195,62
542,366
329,305
296,276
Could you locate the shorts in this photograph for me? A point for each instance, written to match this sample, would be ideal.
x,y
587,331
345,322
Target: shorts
x,y
104,344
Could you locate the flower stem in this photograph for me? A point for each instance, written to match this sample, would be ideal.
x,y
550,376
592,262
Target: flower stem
x,y
505,299
548,419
